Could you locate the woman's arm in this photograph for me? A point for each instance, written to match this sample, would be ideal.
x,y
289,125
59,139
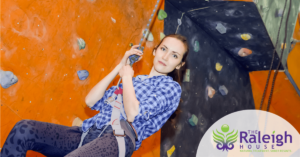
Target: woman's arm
x,y
131,104
98,90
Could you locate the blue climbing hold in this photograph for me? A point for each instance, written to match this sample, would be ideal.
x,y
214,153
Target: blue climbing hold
x,y
82,74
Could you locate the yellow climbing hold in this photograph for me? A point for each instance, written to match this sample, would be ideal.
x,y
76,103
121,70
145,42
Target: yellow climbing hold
x,y
170,151
245,36
219,66
162,35
283,46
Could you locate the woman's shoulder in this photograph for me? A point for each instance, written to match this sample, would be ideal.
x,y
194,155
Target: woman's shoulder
x,y
170,84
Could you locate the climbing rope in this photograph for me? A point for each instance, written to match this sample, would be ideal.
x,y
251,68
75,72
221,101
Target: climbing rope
x,y
282,50
269,74
134,58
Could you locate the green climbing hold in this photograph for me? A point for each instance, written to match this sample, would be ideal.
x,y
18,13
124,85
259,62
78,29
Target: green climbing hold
x,y
162,14
193,120
81,43
148,35
162,35
130,44
196,46
225,128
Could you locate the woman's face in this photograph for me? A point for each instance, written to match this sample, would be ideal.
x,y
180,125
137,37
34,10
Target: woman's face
x,y
168,55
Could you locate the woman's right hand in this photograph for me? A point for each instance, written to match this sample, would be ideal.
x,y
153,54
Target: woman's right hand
x,y
132,51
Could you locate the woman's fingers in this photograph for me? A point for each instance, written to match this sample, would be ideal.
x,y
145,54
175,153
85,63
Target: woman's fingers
x,y
135,46
138,52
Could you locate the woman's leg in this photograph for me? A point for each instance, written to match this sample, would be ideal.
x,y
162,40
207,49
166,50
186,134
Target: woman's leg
x,y
46,138
104,146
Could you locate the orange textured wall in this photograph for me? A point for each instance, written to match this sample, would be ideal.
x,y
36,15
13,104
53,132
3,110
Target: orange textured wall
x,y
39,45
294,56
285,100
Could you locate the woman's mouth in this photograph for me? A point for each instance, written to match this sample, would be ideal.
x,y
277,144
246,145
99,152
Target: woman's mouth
x,y
162,63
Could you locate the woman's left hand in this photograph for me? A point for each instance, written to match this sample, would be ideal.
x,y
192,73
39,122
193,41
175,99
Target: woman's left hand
x,y
126,71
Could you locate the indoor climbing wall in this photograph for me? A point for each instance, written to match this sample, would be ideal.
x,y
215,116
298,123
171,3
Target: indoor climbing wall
x,y
56,51
53,52
231,53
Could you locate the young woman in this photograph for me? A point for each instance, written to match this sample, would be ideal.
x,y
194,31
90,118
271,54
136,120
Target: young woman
x,y
149,100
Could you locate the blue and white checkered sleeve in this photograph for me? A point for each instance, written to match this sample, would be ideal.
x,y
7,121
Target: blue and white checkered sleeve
x,y
166,97
100,103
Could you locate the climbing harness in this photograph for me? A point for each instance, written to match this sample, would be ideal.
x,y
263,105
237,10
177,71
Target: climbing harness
x,y
118,108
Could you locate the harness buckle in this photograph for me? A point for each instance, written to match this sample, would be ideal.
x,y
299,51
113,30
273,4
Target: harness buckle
x,y
118,134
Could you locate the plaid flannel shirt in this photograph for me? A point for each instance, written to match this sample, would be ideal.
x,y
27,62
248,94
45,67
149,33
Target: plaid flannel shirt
x,y
159,98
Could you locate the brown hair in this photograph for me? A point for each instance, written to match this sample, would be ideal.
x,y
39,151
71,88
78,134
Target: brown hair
x,y
177,75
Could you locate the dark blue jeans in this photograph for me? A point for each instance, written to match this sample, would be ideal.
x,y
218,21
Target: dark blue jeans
x,y
58,140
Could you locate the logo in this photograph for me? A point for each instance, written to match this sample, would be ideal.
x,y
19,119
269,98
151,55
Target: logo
x,y
225,141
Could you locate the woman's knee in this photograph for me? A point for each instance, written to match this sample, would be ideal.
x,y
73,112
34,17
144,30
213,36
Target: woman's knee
x,y
23,127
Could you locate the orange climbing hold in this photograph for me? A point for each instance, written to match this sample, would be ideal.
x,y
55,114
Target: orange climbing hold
x,y
243,52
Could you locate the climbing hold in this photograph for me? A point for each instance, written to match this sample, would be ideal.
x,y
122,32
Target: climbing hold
x,y
148,36
283,45
170,151
113,20
221,28
162,14
246,36
130,44
162,35
81,43
82,74
179,21
243,52
193,120
218,67
279,13
186,77
196,46
223,90
7,78
77,122
210,91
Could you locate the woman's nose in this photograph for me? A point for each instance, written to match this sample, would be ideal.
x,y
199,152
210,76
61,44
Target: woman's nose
x,y
165,56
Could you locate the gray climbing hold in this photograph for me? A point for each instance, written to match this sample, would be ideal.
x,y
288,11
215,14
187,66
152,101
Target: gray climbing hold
x,y
82,74
193,120
223,90
7,78
162,14
81,43
196,46
221,28
113,20
148,36
179,22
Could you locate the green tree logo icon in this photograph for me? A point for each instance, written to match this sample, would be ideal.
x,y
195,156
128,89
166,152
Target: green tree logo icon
x,y
225,140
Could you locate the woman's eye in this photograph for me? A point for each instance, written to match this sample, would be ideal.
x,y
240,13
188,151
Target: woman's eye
x,y
163,49
175,56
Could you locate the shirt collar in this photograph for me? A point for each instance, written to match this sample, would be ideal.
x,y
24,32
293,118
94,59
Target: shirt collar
x,y
154,80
